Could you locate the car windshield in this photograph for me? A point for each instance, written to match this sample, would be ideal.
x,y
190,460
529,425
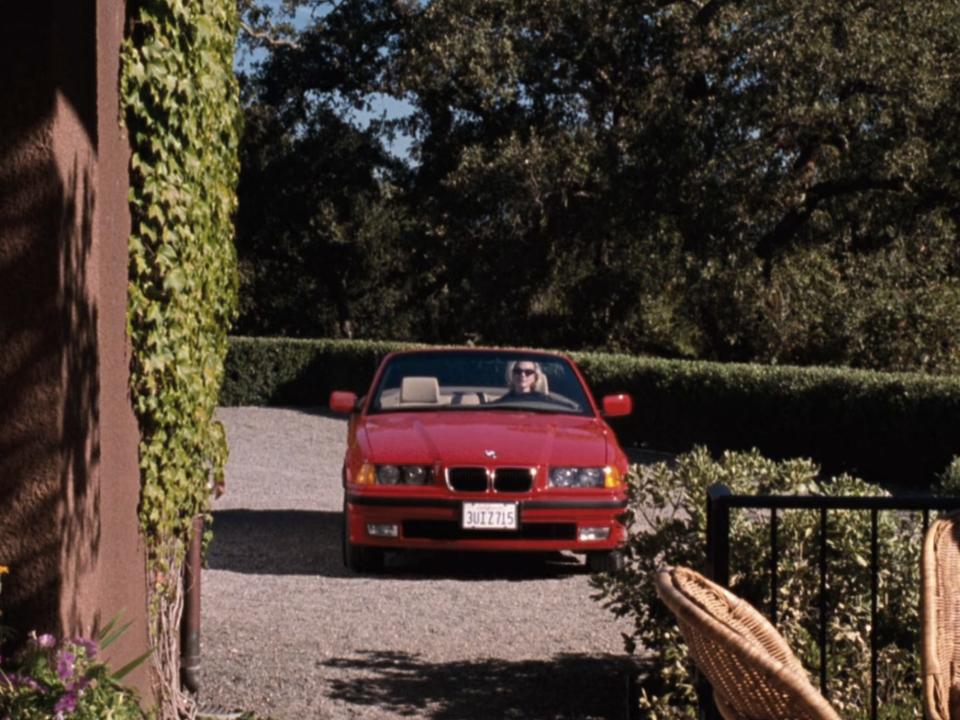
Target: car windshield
x,y
479,380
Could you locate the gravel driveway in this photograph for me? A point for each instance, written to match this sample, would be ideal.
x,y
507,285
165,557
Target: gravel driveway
x,y
288,633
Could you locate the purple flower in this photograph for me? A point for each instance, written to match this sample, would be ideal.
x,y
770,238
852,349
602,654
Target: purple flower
x,y
79,685
67,702
65,664
46,641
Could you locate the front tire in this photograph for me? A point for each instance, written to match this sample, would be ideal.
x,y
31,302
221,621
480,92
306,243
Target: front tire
x,y
363,560
605,561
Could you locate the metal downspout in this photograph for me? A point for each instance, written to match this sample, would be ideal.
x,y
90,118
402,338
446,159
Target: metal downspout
x,y
190,622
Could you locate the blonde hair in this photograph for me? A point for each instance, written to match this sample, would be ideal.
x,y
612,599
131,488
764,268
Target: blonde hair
x,y
540,386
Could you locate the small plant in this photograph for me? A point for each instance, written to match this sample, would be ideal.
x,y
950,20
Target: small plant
x,y
64,680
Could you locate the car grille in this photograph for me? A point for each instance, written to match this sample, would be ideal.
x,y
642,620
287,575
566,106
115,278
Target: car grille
x,y
467,479
451,530
512,480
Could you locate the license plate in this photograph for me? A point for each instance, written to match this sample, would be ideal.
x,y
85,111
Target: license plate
x,y
489,516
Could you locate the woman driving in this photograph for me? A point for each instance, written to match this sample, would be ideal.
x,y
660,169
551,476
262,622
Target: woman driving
x,y
525,377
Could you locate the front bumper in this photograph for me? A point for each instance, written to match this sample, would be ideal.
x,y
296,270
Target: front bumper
x,y
545,524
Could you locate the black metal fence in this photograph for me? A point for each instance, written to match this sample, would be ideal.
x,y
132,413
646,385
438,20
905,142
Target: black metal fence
x,y
720,502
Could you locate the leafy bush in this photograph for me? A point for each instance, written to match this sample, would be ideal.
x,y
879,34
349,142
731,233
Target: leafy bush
x,y
64,680
950,477
667,512
892,428
284,371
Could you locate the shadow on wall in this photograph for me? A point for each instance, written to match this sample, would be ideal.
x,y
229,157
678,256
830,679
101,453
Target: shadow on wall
x,y
49,436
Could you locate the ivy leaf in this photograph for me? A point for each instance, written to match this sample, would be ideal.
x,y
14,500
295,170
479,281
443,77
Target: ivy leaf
x,y
175,280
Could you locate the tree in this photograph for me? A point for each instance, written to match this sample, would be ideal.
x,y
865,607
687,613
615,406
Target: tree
x,y
319,230
736,181
318,236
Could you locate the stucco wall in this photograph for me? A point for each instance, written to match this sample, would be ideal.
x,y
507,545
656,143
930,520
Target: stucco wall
x,y
69,483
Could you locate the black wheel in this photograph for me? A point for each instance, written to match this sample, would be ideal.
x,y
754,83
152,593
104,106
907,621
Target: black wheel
x,y
359,558
605,561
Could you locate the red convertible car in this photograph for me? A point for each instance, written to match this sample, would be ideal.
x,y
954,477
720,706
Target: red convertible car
x,y
470,449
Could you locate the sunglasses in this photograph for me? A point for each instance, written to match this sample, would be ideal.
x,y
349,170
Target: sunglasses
x,y
524,371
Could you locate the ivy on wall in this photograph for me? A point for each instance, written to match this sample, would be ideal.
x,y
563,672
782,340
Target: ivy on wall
x,y
181,107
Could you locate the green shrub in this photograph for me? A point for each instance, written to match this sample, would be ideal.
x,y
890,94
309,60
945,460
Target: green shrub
x,y
668,515
285,371
889,428
950,478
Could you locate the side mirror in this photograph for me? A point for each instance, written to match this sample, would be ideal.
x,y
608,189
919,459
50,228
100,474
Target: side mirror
x,y
617,405
343,402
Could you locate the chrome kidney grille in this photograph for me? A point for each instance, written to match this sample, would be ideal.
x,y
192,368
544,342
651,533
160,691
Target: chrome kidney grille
x,y
478,479
467,479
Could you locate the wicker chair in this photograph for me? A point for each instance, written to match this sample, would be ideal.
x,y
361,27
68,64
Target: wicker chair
x,y
940,619
754,674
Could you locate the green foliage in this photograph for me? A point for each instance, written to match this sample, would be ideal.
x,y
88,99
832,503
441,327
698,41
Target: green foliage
x,y
181,100
64,679
181,109
950,478
667,512
893,428
320,240
279,371
748,181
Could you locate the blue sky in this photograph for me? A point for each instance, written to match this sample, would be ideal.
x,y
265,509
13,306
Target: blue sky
x,y
387,107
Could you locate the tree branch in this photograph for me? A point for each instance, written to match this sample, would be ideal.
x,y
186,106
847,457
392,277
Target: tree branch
x,y
782,235
267,36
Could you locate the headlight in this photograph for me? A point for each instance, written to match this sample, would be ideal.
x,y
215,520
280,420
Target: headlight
x,y
577,477
416,474
404,474
574,477
388,474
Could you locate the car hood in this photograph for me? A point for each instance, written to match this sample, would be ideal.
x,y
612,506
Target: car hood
x,y
468,438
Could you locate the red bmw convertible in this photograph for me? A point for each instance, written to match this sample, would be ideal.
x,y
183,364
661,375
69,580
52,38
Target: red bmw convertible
x,y
476,449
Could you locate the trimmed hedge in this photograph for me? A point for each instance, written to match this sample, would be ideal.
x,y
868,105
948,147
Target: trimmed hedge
x,y
893,428
287,371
